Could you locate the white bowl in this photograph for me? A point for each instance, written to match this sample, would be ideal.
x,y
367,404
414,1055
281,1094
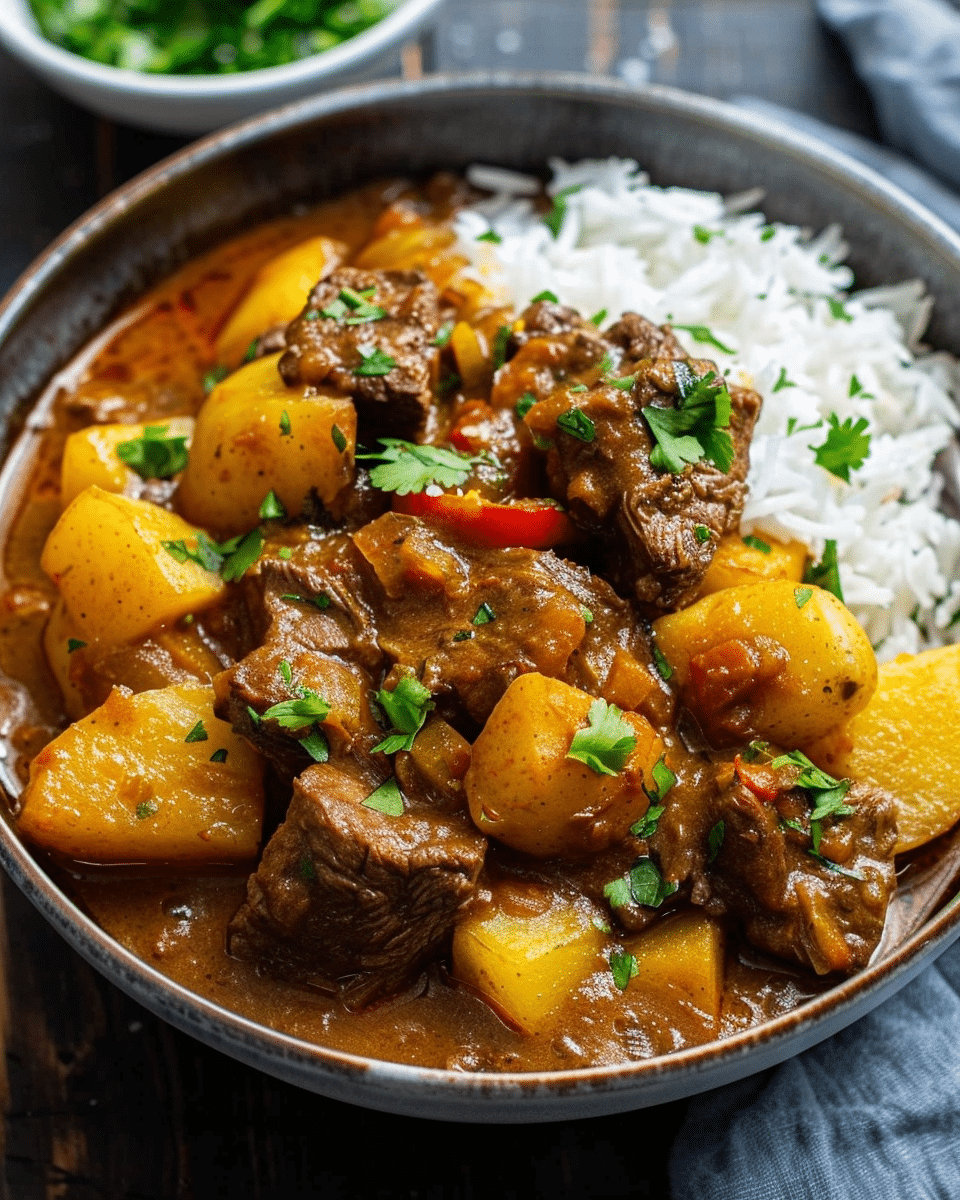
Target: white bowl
x,y
200,103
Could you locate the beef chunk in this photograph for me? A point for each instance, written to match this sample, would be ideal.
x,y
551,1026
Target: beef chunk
x,y
350,899
823,912
550,343
639,338
327,350
650,517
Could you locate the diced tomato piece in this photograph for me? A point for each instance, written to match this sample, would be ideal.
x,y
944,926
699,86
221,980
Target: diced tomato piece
x,y
761,779
534,524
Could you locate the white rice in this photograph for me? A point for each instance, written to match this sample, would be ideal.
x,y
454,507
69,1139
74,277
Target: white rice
x,y
764,291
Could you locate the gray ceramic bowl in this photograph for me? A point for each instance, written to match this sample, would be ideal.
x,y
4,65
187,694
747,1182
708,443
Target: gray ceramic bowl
x,y
317,149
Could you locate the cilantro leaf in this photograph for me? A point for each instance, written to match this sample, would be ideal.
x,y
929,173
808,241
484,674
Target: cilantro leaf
x,y
696,428
546,294
406,707
576,422
285,430
623,967
608,741
443,334
664,670
197,734
783,381
598,318
846,447
801,595
700,333
490,236
321,601
646,827
702,533
756,543
837,310
826,573
558,210
524,404
405,467
663,777
643,884
338,437
499,349
705,236
154,456
387,799
219,756
271,507
298,714
316,745
74,644
375,362
715,840
835,867
484,615
242,556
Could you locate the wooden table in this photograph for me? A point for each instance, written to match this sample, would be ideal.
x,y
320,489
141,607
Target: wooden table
x,y
105,1102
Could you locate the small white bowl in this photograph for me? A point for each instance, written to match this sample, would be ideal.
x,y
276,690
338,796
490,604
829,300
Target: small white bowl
x,y
200,103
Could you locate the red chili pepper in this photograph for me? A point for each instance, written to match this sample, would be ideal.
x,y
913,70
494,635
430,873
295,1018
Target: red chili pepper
x,y
759,778
534,524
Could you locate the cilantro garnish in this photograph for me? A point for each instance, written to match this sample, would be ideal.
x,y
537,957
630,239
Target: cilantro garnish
x,y
598,318
607,742
243,556
271,508
846,447
801,595
253,715
74,644
705,236
624,384
443,334
214,376
154,456
663,779
524,404
700,333
285,430
756,543
642,884
145,809
755,750
715,840
578,387
826,794
857,389
286,672
197,734
463,635
546,294
826,573
696,428
837,311
702,533
783,381
623,967
375,362
558,210
387,799
321,601
219,756
339,438
767,233
405,467
586,614
576,422
646,827
484,615
316,745
353,308
490,236
231,558
406,708
835,867
499,350
299,713
251,351
664,670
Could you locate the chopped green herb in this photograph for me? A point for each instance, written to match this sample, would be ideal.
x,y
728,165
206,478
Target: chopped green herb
x,y
298,714
339,438
644,885
826,573
524,404
715,840
846,447
826,794
586,614
284,552
490,236
271,508
406,708
286,672
702,533
598,318
705,236
623,967
782,381
857,389
659,661
756,543
238,561
663,778
336,310
546,294
197,734
374,362
219,756
578,387
484,615
463,635
285,430
499,350
837,310
253,715
756,750
306,869
558,210
624,383
542,443
801,595
607,742
144,810
405,467
154,456
696,428
767,233
576,422
793,427
443,334
646,827
321,601
251,351
316,745
214,376
74,644
700,333
835,867
387,799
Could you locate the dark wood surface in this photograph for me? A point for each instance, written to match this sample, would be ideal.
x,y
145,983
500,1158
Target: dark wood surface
x,y
103,1101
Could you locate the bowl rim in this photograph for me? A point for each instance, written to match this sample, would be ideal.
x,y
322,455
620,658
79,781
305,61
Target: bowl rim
x,y
21,36
777,1038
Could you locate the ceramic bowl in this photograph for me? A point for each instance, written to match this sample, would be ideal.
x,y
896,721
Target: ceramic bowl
x,y
191,104
317,149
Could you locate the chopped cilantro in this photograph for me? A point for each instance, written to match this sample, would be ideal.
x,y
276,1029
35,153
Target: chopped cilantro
x,y
219,756
307,709
826,794
339,438
387,799
663,778
546,294
271,508
406,708
490,236
705,236
826,573
782,381
702,533
558,210
443,334
643,885
484,615
286,672
598,318
700,333
144,810
285,430
846,447
586,614
404,467
646,827
321,601
767,233
316,745
623,967
253,715
214,376
576,422
801,595
664,670
607,742
197,734
756,750
251,351
154,455
578,387
499,350
696,428
857,389
463,635
624,384
375,362
245,554
835,867
837,310
756,543
74,644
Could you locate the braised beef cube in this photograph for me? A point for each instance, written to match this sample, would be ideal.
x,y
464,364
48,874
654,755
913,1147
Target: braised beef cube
x,y
385,363
552,343
639,338
823,910
351,899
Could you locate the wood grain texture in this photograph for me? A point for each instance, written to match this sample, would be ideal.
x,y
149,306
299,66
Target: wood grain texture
x,y
102,1100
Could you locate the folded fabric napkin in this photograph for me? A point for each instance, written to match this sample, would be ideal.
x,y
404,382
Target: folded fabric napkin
x,y
874,1112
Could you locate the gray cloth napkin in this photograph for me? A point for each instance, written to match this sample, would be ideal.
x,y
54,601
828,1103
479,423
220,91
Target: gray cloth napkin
x,y
874,1112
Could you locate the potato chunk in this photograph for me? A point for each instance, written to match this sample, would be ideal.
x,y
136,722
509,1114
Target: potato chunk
x,y
528,949
736,563
905,741
124,784
775,660
253,435
90,457
681,958
117,581
523,789
278,292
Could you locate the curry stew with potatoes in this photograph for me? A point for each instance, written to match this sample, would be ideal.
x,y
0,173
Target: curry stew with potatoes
x,y
388,665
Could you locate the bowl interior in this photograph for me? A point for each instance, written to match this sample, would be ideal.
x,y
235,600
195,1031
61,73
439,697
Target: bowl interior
x,y
318,149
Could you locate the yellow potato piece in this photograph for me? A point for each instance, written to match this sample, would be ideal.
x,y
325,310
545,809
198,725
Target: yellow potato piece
x,y
735,563
123,784
681,958
905,741
241,448
277,294
117,581
528,951
776,660
523,789
90,457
